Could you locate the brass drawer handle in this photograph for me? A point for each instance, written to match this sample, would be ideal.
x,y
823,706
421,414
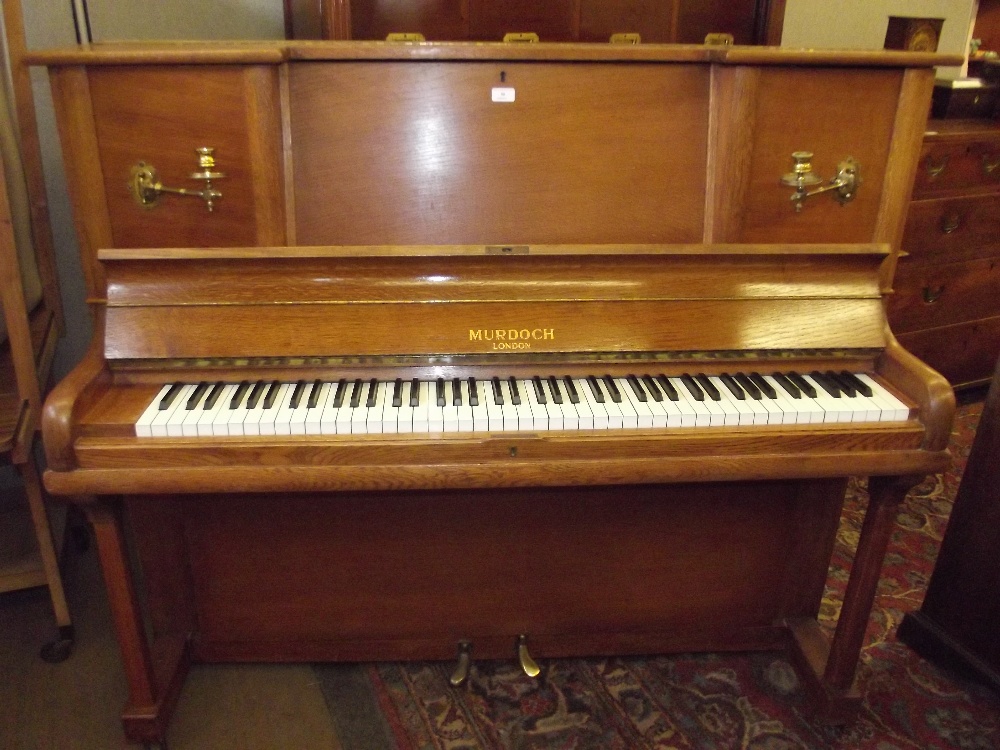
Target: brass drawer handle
x,y
932,295
934,170
990,164
950,222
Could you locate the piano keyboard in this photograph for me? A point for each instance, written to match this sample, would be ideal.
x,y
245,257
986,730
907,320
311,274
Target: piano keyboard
x,y
502,404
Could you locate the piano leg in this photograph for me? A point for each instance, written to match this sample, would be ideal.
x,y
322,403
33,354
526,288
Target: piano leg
x,y
154,672
828,667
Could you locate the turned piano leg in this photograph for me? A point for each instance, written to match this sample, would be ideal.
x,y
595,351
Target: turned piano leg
x,y
829,666
155,672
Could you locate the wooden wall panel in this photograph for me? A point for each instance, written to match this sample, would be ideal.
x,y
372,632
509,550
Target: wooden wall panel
x,y
160,115
835,116
419,154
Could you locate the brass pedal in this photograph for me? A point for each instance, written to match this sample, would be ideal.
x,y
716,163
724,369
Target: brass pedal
x,y
528,665
461,673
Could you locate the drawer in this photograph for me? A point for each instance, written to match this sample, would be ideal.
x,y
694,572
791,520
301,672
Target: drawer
x,y
951,229
965,354
951,165
929,296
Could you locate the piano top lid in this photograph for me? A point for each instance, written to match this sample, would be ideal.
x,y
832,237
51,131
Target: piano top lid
x,y
329,302
275,52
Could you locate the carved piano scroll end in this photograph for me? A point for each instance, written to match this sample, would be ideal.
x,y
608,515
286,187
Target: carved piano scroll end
x,y
844,184
145,186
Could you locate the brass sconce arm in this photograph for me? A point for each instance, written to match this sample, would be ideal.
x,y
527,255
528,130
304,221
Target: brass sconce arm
x,y
844,184
146,188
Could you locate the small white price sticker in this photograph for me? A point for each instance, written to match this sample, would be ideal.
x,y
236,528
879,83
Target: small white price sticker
x,y
503,94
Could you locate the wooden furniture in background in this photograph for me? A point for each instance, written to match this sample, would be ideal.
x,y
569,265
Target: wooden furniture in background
x,y
956,625
381,201
27,343
946,306
657,21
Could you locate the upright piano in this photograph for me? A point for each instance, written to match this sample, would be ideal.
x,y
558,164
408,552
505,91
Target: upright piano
x,y
458,352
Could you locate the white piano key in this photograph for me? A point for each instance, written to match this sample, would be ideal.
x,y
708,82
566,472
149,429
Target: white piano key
x,y
738,411
282,422
435,411
835,409
449,411
299,414
359,409
375,421
165,423
421,412
482,411
598,412
466,417
314,415
267,424
208,418
892,409
702,414
144,425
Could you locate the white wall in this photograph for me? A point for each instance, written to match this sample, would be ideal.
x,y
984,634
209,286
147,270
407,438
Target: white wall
x,y
861,24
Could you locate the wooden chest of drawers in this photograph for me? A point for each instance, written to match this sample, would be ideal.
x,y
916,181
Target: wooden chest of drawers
x,y
946,306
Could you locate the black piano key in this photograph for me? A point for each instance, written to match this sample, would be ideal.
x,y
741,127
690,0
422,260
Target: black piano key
x,y
637,389
341,394
766,388
195,398
790,388
397,393
595,388
317,386
668,388
414,392
802,384
693,388
859,385
214,394
612,386
169,396
748,385
539,390
574,395
652,387
555,390
241,390
456,392
730,382
272,394
515,393
709,386
359,388
372,393
846,386
825,383
439,392
300,388
497,391
255,394
473,392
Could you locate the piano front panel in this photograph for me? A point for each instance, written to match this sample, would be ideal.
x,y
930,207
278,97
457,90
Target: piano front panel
x,y
586,153
606,565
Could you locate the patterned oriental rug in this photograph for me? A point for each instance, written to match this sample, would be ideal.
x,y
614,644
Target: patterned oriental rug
x,y
703,701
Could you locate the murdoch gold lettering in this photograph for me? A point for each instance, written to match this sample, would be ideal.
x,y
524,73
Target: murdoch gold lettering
x,y
512,335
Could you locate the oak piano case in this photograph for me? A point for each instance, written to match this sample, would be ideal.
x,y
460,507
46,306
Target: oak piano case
x,y
386,213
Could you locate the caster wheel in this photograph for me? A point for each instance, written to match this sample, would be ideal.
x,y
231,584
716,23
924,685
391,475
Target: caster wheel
x,y
57,651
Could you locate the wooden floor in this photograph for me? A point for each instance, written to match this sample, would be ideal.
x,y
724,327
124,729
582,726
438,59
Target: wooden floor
x,y
76,705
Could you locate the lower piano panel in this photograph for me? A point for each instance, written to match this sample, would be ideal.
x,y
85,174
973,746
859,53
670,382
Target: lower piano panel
x,y
589,570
